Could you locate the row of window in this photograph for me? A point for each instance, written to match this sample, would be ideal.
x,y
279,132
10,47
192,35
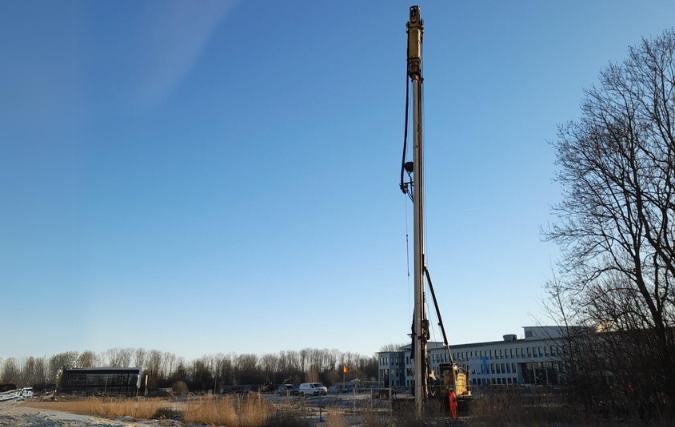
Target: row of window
x,y
484,381
101,379
495,368
495,381
386,360
503,353
506,353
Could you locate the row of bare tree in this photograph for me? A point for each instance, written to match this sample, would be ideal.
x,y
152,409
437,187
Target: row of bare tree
x,y
165,368
616,229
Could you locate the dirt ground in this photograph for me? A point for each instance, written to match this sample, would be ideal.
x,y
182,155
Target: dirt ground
x,y
73,413
55,414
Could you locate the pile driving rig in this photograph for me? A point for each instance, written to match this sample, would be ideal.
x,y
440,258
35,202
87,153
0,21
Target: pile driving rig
x,y
452,380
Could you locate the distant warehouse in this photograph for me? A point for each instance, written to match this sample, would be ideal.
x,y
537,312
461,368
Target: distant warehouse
x,y
110,381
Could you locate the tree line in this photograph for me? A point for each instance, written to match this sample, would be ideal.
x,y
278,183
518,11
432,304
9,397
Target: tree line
x,y
165,368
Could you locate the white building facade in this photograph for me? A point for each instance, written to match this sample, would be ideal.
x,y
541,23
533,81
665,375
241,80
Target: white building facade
x,y
534,359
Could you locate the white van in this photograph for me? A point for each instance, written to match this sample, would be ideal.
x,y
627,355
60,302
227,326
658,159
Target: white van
x,y
312,389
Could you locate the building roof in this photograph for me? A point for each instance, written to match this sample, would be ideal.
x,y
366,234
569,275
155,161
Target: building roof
x,y
103,368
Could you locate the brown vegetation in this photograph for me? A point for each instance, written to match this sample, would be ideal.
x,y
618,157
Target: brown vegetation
x,y
107,407
508,407
118,407
229,411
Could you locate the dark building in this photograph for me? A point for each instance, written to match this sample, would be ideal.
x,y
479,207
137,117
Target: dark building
x,y
110,381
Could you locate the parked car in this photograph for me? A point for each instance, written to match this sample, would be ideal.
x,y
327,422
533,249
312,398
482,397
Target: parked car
x,y
285,388
312,389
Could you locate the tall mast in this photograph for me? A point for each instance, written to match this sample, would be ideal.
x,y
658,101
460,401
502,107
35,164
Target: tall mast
x,y
415,31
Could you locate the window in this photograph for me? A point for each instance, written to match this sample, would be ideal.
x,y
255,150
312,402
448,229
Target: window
x,y
518,352
529,354
513,367
501,353
541,354
528,334
508,368
499,371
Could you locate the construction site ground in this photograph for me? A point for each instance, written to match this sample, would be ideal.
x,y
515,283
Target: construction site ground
x,y
66,412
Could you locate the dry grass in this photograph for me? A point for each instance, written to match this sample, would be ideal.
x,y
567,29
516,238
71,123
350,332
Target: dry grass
x,y
106,407
227,411
336,420
235,411
504,408
119,407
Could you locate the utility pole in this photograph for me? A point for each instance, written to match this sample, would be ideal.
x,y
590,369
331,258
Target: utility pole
x,y
415,31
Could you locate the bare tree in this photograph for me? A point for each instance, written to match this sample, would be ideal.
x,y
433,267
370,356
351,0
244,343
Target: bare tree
x,y
28,372
139,357
114,357
11,372
40,370
616,221
125,356
168,364
154,363
392,347
87,359
60,361
269,365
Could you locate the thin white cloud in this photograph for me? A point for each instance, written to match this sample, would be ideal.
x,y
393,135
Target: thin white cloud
x,y
175,37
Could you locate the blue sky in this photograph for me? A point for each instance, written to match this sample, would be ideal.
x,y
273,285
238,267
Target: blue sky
x,y
204,177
